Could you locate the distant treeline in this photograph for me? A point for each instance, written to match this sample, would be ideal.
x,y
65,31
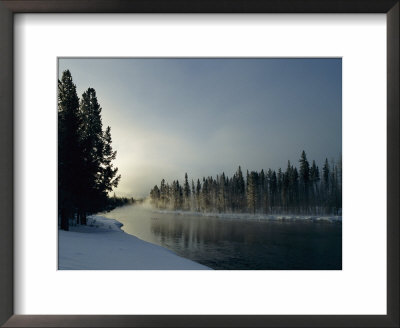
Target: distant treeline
x,y
294,191
113,202
85,171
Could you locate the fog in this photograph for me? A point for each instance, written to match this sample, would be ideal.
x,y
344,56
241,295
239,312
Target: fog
x,y
206,116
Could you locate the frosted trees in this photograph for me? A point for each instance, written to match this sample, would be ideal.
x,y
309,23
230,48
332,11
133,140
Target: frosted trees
x,y
304,178
155,195
193,198
252,186
186,193
163,194
198,195
273,192
221,186
314,182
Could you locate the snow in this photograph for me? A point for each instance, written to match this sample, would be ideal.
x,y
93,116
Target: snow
x,y
257,217
102,245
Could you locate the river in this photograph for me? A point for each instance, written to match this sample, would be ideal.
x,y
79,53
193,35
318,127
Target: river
x,y
238,244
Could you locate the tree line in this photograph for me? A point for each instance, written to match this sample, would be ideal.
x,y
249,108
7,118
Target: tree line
x,y
306,190
116,201
85,171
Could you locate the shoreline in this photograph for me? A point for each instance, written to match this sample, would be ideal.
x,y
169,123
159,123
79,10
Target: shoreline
x,y
257,216
103,245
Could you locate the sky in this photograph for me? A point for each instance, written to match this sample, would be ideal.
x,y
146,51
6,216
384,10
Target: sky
x,y
206,116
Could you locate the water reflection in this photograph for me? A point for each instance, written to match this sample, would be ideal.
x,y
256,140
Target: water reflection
x,y
239,244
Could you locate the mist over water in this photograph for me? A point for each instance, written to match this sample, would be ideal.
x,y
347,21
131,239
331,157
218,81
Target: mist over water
x,y
238,244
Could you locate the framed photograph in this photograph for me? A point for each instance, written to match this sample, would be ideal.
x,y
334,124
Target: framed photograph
x,y
155,185
208,164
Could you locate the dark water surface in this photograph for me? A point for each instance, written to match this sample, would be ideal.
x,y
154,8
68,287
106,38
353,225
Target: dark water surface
x,y
238,244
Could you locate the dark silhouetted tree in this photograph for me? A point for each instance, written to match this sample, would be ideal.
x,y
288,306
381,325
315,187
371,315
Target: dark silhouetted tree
x,y
69,152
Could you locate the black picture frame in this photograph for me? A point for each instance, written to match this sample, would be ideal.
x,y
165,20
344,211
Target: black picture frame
x,y
10,7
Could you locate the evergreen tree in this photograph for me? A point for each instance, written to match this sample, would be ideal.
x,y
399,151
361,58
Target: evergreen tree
x,y
198,191
168,196
240,199
325,171
273,188
99,175
108,173
205,195
85,155
326,175
252,192
295,183
186,192
155,195
262,192
69,151
285,188
305,178
314,180
222,194
193,198
163,194
279,183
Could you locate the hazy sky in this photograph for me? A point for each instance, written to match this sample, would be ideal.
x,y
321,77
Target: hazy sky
x,y
206,116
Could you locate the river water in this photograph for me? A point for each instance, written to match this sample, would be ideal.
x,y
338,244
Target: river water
x,y
238,244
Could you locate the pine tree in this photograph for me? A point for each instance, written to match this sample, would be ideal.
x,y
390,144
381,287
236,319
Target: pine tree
x,y
286,188
69,152
155,195
326,175
99,175
273,188
221,194
252,187
295,186
91,131
240,189
314,180
193,198
279,183
163,194
108,173
85,155
186,192
198,193
325,171
180,196
168,196
205,195
262,193
304,179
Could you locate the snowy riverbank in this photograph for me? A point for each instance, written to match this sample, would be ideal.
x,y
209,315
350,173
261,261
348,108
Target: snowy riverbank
x,y
257,217
102,245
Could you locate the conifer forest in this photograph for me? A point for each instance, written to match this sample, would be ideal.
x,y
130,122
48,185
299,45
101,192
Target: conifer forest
x,y
304,190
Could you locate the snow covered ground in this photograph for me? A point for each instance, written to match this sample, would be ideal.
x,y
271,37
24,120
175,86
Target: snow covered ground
x,y
102,245
257,217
